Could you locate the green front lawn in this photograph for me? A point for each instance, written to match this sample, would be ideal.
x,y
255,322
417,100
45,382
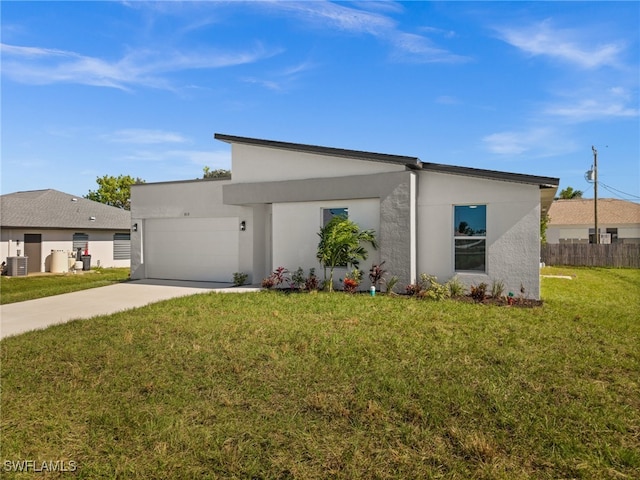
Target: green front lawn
x,y
19,289
314,386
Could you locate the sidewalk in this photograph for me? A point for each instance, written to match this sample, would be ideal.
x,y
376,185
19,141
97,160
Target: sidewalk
x,y
16,318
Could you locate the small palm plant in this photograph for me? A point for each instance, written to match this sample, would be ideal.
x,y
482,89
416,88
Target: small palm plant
x,y
340,245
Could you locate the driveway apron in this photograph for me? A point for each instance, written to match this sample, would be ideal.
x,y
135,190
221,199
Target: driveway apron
x,y
17,318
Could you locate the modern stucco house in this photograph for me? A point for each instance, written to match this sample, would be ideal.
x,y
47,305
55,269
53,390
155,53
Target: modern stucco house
x,y
35,223
430,218
573,221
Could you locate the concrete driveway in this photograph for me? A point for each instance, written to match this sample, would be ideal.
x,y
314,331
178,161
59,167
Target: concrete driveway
x,y
22,317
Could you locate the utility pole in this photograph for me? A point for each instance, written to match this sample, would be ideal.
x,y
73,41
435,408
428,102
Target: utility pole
x,y
595,192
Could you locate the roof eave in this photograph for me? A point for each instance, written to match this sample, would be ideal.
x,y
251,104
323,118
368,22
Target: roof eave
x,y
411,162
542,182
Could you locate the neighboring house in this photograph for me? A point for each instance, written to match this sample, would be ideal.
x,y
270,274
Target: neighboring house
x,y
36,223
442,220
573,221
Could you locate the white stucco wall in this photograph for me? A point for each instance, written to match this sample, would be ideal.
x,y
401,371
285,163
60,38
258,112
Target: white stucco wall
x,y
581,232
296,227
555,234
259,164
193,199
513,219
630,232
100,245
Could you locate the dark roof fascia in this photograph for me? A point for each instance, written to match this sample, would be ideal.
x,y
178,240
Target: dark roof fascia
x,y
542,182
36,228
412,162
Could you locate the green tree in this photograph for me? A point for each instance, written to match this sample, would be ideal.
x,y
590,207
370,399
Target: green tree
x,y
340,245
114,191
569,193
219,173
544,224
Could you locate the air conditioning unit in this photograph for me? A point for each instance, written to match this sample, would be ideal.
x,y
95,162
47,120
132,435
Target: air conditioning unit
x,y
17,266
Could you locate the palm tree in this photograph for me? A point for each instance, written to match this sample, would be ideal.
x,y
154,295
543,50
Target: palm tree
x,y
340,245
569,193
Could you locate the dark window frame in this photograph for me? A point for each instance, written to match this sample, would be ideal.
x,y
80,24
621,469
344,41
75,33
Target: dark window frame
x,y
122,246
328,213
470,238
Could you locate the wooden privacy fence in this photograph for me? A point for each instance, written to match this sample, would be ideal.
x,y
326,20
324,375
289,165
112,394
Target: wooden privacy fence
x,y
591,255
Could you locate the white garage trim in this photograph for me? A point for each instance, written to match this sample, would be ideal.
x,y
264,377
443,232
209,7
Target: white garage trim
x,y
201,249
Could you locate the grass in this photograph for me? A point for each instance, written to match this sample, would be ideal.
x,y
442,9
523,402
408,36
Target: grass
x,y
19,289
266,385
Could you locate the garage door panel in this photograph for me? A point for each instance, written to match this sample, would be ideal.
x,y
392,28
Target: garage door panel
x,y
203,249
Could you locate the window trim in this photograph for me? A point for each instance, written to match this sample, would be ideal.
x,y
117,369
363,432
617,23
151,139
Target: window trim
x,y
482,238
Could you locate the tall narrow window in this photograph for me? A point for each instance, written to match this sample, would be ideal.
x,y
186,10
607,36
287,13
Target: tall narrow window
x,y
80,240
121,246
470,238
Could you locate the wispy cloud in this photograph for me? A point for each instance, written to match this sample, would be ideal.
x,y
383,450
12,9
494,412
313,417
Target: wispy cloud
x,y
282,80
332,15
407,46
536,142
590,109
144,136
138,68
569,45
588,105
416,48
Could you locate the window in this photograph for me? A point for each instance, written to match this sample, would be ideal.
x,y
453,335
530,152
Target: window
x,y
329,213
613,232
122,246
470,238
80,241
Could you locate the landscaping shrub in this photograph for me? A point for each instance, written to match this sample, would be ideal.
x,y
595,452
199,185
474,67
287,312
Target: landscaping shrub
x,y
456,287
240,279
479,292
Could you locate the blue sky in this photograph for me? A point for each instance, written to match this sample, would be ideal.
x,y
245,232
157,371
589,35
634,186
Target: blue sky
x,y
139,88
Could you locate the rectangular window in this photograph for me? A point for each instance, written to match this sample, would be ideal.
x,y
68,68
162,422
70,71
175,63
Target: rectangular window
x,y
80,241
470,238
329,213
610,236
122,246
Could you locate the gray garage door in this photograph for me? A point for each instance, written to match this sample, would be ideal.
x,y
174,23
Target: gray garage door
x,y
202,249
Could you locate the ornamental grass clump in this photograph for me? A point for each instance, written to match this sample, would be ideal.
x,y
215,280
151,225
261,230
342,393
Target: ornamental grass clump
x,y
456,287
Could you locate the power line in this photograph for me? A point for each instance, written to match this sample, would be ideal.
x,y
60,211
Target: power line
x,y
609,188
619,192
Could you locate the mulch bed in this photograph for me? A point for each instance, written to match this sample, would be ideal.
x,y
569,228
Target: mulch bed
x,y
503,301
515,302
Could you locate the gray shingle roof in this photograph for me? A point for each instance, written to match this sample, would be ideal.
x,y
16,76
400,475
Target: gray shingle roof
x,y
54,209
581,211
